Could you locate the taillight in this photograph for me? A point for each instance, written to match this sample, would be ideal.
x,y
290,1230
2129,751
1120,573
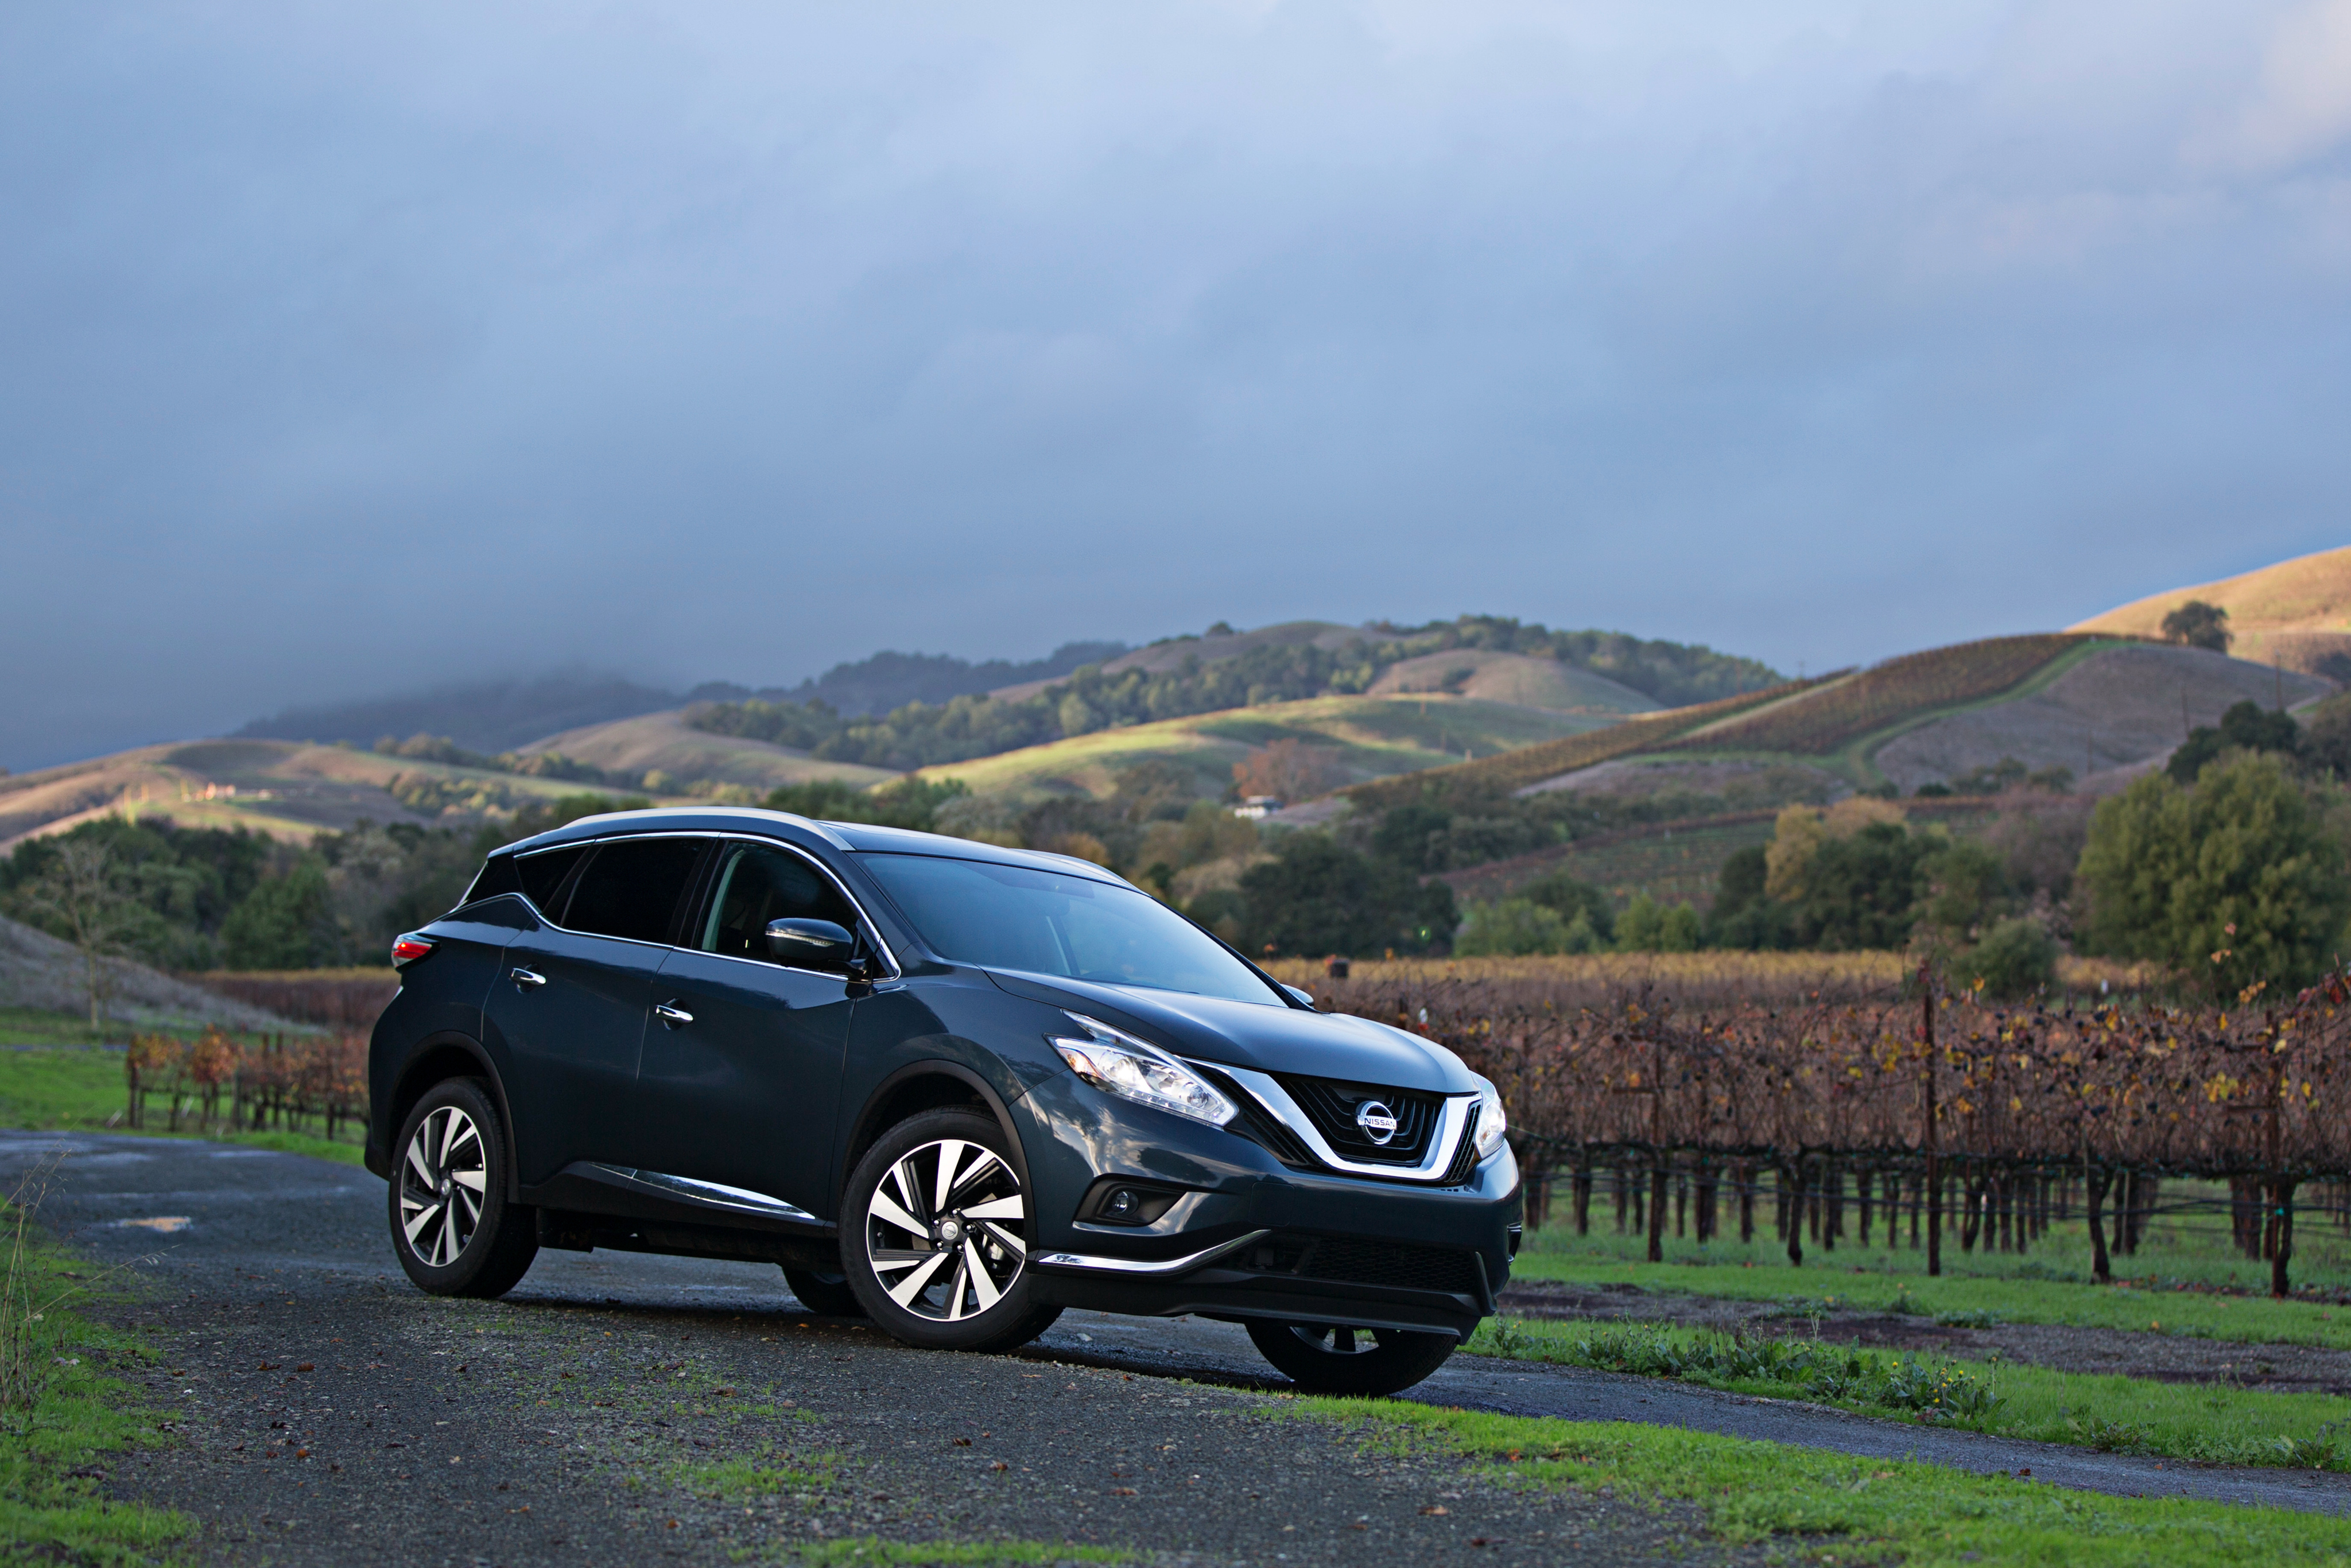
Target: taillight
x,y
409,948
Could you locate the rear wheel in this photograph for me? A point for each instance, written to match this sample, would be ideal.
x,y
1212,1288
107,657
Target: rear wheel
x,y
454,1232
1325,1358
827,1294
935,1235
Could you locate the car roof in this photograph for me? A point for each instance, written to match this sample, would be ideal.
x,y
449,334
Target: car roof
x,y
855,837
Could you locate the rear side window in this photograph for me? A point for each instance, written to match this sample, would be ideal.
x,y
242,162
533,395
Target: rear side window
x,y
757,884
496,876
541,875
632,887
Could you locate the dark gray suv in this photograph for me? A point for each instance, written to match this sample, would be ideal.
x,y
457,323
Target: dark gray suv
x,y
948,1087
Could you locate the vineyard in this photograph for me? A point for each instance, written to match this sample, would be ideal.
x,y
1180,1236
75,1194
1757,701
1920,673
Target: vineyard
x,y
280,1083
1842,711
1987,1116
1528,765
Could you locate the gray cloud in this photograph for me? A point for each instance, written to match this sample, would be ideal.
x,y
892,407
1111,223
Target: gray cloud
x,y
352,351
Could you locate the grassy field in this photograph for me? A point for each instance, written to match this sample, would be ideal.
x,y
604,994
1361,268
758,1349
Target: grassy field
x,y
1367,737
80,1088
2214,1424
2185,1278
1825,1508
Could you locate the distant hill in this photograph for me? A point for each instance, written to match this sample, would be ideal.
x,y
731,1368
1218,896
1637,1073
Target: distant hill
x,y
286,789
632,748
2101,708
1667,673
1362,737
2296,614
890,680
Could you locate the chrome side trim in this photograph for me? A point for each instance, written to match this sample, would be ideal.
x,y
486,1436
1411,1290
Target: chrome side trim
x,y
1135,1266
709,1192
1269,1094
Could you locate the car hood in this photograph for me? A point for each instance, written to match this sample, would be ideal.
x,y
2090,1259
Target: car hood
x,y
1246,1034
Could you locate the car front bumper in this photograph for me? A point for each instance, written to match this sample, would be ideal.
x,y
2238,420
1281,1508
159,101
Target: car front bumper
x,y
1250,1237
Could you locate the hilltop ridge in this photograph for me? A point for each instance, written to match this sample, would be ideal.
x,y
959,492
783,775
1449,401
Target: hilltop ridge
x,y
2296,613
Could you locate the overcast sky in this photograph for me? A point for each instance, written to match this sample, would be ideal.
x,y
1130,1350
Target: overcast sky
x,y
344,350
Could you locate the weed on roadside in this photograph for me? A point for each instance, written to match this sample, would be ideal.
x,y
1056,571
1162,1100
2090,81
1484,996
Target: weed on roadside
x,y
2218,1423
1832,1507
765,1474
65,1419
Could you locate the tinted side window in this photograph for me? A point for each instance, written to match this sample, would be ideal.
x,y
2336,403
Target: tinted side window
x,y
757,884
542,875
632,888
496,876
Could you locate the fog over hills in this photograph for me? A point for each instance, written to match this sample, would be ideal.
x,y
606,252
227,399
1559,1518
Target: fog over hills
x,y
501,715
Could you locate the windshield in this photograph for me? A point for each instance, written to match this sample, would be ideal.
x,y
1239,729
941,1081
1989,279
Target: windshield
x,y
1010,917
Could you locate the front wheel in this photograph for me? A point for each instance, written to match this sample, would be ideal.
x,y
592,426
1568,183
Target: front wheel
x,y
451,1226
1324,1358
935,1235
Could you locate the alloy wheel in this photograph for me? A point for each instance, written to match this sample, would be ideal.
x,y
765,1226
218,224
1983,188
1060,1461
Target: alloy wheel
x,y
944,1228
442,1185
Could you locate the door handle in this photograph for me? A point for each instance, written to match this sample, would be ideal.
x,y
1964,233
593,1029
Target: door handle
x,y
525,976
671,1016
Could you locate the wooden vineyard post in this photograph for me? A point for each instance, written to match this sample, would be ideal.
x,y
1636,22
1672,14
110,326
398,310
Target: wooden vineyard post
x,y
1658,1172
1933,1140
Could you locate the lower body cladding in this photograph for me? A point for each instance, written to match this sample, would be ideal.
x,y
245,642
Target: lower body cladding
x,y
1245,1237
585,1207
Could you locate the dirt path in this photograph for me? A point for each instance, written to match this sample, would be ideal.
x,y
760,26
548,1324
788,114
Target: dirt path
x,y
611,1408
2167,1358
334,1415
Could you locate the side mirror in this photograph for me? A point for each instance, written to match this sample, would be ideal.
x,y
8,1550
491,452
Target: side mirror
x,y
1305,999
815,944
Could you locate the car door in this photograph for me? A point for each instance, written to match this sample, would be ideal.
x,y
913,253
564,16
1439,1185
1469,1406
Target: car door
x,y
742,1089
571,1000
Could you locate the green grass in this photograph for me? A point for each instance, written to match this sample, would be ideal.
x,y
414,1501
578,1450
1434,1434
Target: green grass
x,y
82,1416
32,1026
759,1475
82,1089
2121,1415
2176,1283
1834,1509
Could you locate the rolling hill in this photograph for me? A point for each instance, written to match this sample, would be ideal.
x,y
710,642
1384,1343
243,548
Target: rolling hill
x,y
1367,738
2296,614
633,747
2103,708
1529,681
287,789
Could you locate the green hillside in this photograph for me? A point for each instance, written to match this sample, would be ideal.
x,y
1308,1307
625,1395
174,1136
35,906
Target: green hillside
x,y
1363,736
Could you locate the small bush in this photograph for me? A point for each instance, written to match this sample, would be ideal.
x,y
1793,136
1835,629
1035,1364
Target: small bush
x,y
2016,957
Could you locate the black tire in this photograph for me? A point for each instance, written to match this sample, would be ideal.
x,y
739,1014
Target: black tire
x,y
827,1295
931,1261
434,1181
1324,1359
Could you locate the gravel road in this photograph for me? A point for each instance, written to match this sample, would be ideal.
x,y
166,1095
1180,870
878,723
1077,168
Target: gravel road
x,y
663,1407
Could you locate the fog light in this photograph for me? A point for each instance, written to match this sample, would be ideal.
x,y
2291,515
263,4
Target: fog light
x,y
1124,1204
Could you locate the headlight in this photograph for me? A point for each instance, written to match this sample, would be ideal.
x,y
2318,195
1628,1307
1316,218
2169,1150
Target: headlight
x,y
1114,1061
1493,1122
